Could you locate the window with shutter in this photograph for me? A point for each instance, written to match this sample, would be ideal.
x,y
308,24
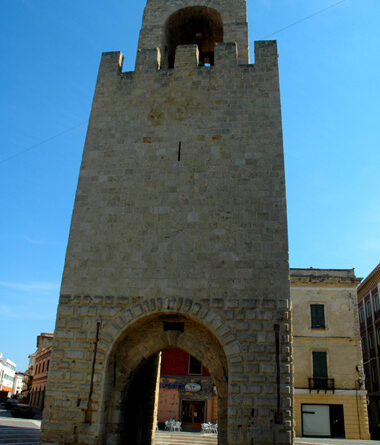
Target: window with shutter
x,y
317,316
361,314
364,344
375,297
370,341
319,364
368,308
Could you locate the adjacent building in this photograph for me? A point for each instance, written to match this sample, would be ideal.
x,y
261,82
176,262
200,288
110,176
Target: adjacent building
x,y
369,317
187,392
330,395
28,380
41,369
18,383
7,374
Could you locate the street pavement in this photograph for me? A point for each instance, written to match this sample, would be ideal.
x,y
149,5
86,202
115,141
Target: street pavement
x,y
323,441
15,431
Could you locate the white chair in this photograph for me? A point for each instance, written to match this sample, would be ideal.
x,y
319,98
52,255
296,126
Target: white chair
x,y
177,426
167,425
205,427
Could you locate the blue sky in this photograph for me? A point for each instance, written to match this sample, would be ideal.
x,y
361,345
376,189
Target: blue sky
x,y
50,51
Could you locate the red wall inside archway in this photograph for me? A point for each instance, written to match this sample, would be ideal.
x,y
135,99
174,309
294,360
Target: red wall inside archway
x,y
176,362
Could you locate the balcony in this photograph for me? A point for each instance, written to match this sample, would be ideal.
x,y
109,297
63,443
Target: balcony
x,y
321,384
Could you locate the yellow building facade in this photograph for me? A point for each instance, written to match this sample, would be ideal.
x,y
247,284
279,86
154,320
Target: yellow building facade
x,y
330,399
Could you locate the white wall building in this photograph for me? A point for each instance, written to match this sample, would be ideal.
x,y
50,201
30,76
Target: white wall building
x,y
7,374
18,383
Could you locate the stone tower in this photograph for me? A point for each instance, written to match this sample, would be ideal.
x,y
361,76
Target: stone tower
x,y
178,236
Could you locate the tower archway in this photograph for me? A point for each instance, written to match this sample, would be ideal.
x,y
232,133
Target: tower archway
x,y
131,385
198,25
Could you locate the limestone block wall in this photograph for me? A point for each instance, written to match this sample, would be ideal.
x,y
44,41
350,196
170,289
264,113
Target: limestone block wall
x,y
180,212
141,216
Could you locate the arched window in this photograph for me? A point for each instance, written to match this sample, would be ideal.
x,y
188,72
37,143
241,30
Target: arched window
x,y
194,25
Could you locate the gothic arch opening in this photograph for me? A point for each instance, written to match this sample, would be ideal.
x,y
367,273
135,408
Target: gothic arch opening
x,y
131,389
198,25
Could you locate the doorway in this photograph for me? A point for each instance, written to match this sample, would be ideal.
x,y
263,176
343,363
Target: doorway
x,y
322,420
192,414
132,386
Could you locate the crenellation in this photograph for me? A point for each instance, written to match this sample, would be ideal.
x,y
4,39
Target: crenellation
x,y
226,55
186,57
148,59
111,64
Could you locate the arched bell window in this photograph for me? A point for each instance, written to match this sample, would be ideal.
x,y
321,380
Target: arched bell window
x,y
194,25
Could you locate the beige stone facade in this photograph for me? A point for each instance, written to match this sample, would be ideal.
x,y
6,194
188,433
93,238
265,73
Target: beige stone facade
x,y
178,237
329,400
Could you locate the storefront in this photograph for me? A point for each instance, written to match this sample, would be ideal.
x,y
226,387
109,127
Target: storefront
x,y
322,420
187,393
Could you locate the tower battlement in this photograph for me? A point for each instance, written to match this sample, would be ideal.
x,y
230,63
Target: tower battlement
x,y
187,58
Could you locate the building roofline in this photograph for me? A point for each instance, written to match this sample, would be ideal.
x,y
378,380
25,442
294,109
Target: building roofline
x,y
7,360
374,275
335,277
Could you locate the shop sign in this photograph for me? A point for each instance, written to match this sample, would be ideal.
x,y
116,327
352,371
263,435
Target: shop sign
x,y
193,387
169,385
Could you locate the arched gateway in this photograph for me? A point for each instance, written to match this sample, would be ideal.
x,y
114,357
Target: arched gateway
x,y
135,351
178,237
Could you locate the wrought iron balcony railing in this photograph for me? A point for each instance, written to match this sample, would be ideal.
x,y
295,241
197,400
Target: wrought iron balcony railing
x,y
321,383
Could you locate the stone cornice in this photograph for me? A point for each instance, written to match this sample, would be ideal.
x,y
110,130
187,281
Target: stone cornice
x,y
369,282
324,282
323,277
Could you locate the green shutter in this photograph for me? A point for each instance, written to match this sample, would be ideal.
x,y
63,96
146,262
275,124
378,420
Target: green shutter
x,y
317,316
319,364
